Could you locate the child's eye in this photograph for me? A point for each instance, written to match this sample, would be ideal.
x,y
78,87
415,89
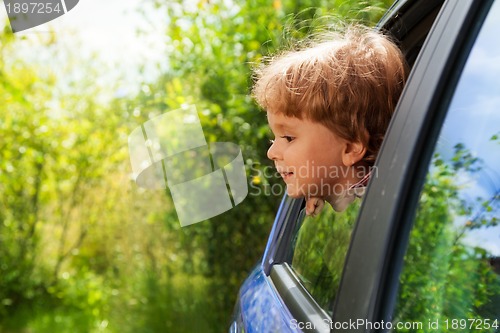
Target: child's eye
x,y
288,138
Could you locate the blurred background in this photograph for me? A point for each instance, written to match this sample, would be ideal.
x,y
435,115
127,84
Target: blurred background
x,y
82,247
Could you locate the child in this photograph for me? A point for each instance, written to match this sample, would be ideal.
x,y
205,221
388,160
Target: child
x,y
328,107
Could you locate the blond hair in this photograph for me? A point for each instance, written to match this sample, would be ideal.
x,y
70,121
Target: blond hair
x,y
349,83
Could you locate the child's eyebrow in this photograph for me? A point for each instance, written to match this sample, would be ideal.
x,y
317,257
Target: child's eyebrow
x,y
278,127
284,126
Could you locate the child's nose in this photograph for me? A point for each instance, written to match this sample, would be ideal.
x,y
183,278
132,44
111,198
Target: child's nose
x,y
272,152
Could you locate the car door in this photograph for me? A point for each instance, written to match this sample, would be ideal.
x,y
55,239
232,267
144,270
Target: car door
x,y
426,246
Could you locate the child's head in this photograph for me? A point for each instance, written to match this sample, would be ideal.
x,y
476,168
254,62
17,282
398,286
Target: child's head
x,y
348,85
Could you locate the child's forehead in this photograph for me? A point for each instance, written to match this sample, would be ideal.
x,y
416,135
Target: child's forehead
x,y
278,120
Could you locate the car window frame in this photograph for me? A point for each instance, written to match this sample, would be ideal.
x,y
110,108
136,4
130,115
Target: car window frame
x,y
282,232
369,283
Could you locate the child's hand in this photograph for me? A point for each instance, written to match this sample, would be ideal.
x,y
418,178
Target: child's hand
x,y
314,206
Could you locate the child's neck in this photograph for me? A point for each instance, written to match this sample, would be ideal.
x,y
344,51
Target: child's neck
x,y
353,186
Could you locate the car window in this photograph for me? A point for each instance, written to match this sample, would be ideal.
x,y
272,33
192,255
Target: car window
x,y
319,250
450,280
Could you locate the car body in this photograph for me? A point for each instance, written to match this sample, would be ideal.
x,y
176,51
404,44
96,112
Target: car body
x,y
424,248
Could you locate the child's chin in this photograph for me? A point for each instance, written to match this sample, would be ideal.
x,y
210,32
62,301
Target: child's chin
x,y
295,191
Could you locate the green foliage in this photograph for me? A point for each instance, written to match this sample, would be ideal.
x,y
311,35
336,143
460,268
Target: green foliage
x,y
55,177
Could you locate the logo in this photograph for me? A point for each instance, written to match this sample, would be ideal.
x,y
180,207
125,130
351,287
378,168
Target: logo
x,y
26,14
205,180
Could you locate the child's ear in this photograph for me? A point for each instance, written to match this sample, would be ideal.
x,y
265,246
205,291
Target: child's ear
x,y
353,153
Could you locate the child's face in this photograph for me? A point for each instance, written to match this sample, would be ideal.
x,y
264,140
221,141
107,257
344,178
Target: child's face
x,y
311,159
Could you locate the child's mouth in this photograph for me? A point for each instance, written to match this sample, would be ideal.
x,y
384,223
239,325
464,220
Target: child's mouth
x,y
286,175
